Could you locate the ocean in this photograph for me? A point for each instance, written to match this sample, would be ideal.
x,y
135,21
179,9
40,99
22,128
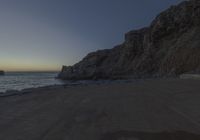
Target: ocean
x,y
24,80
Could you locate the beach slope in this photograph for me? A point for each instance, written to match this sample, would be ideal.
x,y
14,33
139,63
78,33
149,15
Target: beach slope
x,y
167,109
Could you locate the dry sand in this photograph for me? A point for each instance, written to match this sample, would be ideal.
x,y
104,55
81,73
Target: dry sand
x,y
166,109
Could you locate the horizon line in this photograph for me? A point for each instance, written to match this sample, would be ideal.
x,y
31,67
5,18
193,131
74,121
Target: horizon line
x,y
32,71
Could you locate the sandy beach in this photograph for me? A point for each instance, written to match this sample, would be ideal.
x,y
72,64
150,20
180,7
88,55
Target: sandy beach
x,y
162,109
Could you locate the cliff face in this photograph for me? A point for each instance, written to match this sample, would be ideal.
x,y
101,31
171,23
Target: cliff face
x,y
169,46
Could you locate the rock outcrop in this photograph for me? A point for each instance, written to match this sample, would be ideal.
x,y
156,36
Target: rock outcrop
x,y
2,72
170,46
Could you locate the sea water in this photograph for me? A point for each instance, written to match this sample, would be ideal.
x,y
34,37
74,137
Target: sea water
x,y
24,80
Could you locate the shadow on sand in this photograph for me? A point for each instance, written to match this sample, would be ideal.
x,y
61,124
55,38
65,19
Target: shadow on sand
x,y
131,135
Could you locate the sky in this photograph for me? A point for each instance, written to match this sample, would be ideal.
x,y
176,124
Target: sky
x,y
43,35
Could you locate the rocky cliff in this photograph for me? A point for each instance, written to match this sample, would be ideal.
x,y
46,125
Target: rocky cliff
x,y
168,47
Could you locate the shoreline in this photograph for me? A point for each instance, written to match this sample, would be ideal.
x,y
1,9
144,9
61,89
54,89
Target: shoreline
x,y
91,82
73,83
68,84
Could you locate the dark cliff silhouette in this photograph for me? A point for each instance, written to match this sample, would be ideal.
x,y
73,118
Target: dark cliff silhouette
x,y
170,46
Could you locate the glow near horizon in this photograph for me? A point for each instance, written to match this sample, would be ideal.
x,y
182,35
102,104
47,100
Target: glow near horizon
x,y
33,37
16,56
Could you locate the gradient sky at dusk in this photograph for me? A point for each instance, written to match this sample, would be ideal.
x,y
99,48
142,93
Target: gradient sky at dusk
x,y
46,34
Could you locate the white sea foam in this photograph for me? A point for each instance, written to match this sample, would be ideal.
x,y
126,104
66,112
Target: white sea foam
x,y
23,80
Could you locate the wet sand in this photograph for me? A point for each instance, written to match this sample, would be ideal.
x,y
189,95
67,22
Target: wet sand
x,y
166,109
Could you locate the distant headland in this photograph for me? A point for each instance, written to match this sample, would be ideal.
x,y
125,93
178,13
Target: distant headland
x,y
2,72
170,46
